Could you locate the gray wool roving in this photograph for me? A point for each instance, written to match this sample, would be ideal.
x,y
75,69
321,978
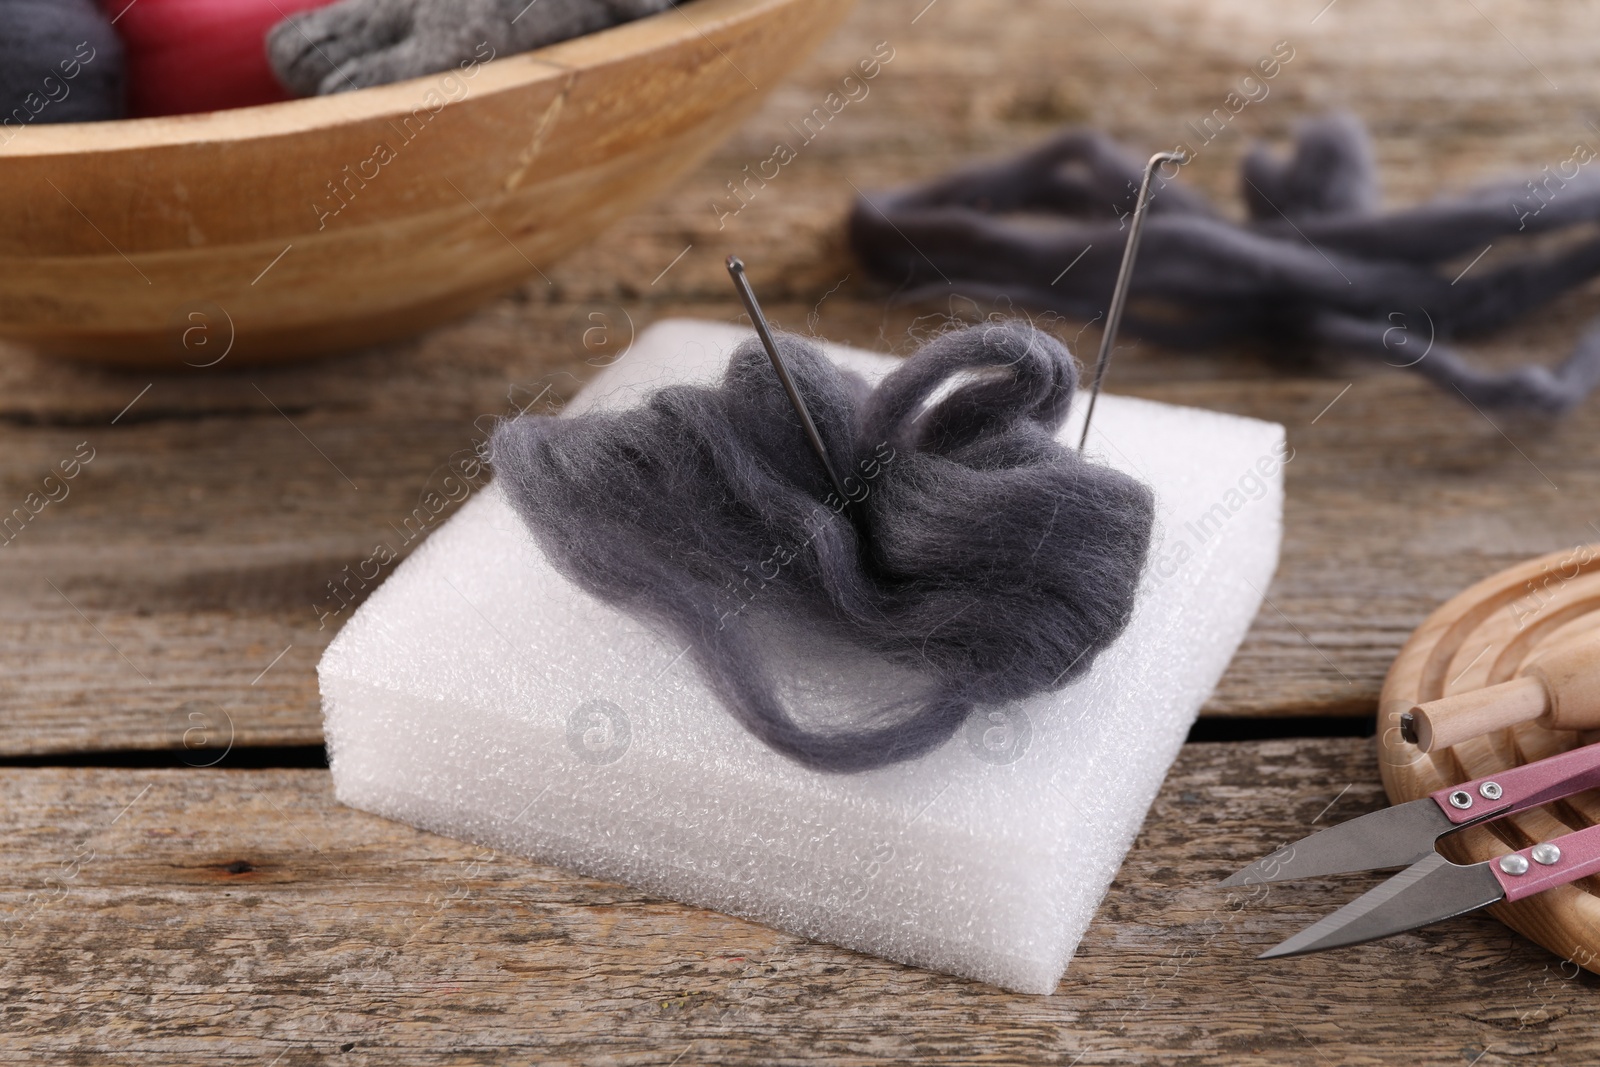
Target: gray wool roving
x,y
1314,262
358,43
979,562
60,61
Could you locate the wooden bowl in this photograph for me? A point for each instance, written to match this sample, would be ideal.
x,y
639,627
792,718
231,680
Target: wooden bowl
x,y
312,226
1477,639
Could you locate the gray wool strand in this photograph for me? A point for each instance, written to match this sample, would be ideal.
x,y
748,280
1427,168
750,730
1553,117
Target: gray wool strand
x,y
60,61
977,557
1314,263
354,44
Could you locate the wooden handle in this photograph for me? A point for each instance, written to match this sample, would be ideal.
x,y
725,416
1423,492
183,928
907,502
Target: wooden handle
x,y
1559,687
1453,719
1570,673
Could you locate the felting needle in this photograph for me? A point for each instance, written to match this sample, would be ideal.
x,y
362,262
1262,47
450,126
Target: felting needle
x,y
1119,295
763,331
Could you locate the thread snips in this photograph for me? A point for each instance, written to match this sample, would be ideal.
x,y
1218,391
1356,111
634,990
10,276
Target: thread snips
x,y
1433,888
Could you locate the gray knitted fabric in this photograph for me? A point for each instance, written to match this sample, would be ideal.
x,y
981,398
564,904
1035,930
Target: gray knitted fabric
x,y
357,43
979,562
60,61
1314,264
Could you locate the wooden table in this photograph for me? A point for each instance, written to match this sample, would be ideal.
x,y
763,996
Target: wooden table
x,y
158,912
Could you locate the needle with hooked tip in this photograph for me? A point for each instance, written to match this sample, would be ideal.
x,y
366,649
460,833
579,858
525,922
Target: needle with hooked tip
x,y
1119,295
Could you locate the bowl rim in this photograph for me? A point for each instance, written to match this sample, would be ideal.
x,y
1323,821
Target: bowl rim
x,y
561,61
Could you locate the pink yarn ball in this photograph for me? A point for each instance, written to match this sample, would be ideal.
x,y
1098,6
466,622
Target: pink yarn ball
x,y
199,55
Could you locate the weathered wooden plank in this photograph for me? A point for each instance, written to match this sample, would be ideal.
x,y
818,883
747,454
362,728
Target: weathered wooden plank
x,y
202,536
242,916
198,551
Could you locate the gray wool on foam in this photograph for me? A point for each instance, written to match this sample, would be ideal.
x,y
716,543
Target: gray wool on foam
x,y
1314,264
354,44
978,562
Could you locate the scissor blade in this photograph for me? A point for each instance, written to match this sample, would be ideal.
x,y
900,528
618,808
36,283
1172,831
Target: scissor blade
x,y
1392,837
1428,891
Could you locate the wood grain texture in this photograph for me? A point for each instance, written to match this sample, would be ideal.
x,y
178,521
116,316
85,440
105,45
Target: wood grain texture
x,y
201,539
242,916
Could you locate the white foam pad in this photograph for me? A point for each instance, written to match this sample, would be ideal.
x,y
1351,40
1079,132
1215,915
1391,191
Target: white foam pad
x,y
479,694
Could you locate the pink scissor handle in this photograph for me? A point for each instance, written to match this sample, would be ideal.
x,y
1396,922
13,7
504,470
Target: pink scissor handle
x,y
1521,788
1549,864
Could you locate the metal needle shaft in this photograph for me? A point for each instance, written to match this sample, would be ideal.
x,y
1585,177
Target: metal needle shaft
x,y
763,331
1119,295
